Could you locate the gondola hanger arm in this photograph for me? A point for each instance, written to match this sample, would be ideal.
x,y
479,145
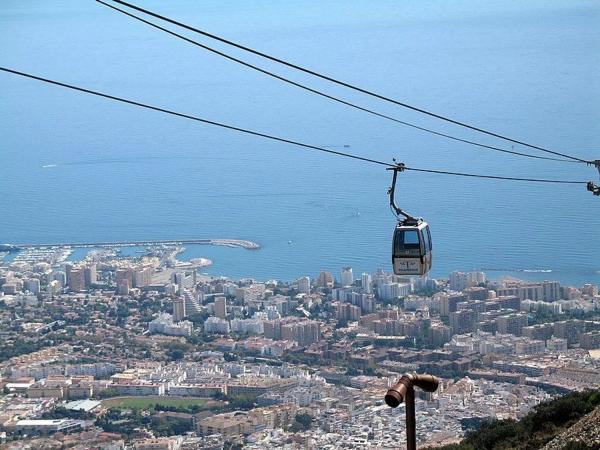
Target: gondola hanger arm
x,y
408,219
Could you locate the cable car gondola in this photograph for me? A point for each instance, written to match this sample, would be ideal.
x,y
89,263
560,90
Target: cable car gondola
x,y
411,246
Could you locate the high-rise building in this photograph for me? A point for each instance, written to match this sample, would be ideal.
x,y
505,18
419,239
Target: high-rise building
x,y
75,278
511,323
68,268
590,340
271,312
571,293
221,307
282,304
124,279
32,285
540,332
448,303
390,291
184,279
346,311
569,330
341,294
142,276
459,281
589,289
548,291
551,291
272,329
365,282
179,309
304,332
304,285
487,326
325,280
91,274
551,307
509,302
251,293
61,277
556,345
477,293
192,306
463,321
367,304
247,326
54,287
439,334
347,277
125,274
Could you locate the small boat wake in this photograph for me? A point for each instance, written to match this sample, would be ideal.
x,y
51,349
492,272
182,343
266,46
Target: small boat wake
x,y
48,166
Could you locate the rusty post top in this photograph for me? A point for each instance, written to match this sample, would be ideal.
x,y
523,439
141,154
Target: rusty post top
x,y
397,393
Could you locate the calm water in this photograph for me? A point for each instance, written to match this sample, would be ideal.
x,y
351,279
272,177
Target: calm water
x,y
528,69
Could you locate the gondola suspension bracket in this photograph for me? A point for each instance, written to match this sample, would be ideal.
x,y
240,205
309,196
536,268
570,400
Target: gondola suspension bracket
x,y
408,219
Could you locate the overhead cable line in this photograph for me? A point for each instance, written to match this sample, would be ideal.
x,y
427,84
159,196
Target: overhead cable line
x,y
322,94
272,137
346,84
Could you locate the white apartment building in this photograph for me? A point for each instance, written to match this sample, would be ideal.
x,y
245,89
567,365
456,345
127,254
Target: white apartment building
x,y
216,325
347,277
164,324
365,281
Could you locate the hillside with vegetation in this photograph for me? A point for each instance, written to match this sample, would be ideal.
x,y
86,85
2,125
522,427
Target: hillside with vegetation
x,y
570,422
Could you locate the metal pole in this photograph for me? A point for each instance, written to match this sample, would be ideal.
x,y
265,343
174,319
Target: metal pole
x,y
411,437
404,391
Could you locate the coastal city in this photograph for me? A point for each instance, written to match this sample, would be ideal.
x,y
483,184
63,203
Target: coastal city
x,y
310,225
138,350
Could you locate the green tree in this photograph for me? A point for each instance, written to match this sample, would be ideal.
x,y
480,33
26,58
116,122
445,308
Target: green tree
x,y
175,354
542,424
302,422
108,393
169,426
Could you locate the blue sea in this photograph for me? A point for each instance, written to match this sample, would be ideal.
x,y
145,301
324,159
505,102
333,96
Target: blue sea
x,y
79,168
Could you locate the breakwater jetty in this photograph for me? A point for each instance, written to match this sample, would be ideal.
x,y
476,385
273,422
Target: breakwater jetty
x,y
248,245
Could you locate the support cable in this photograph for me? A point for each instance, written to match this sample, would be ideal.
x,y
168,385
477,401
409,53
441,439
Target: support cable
x,y
330,97
346,84
272,137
